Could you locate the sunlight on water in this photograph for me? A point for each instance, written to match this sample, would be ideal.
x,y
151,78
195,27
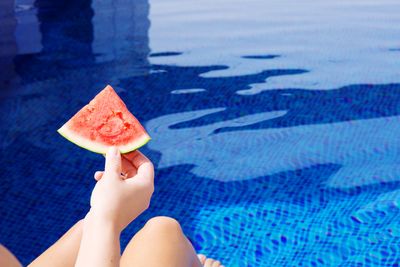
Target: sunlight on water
x,y
318,36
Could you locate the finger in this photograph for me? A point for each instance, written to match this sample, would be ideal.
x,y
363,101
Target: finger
x,y
126,158
113,162
202,258
136,158
144,166
208,262
98,175
145,173
144,176
216,264
146,169
128,168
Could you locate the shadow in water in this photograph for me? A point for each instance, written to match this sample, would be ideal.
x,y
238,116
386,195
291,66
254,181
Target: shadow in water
x,y
353,102
290,195
165,54
261,56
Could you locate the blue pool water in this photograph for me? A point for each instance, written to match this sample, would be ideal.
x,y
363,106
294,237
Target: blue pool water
x,y
275,124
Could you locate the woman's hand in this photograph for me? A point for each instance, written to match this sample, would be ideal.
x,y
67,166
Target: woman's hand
x,y
117,198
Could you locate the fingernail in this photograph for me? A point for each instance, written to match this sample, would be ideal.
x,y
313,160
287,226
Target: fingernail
x,y
113,150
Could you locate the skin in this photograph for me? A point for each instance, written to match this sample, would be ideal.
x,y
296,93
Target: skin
x,y
7,259
115,202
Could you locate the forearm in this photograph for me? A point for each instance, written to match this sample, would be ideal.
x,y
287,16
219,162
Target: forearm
x,y
100,245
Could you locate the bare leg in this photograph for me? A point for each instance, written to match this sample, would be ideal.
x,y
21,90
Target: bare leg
x,y
161,242
64,252
7,259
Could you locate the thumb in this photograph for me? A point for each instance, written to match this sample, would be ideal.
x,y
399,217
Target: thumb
x,y
113,162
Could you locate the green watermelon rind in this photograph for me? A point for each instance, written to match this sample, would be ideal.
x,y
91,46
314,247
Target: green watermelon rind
x,y
100,148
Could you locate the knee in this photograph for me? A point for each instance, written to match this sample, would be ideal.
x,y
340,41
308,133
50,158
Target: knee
x,y
163,225
78,226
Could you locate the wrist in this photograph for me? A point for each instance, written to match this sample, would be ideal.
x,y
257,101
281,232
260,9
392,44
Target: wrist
x,y
95,219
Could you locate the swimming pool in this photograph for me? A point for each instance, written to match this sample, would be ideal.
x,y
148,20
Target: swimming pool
x,y
275,124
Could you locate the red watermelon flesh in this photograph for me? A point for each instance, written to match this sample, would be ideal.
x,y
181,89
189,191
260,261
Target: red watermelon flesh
x,y
105,122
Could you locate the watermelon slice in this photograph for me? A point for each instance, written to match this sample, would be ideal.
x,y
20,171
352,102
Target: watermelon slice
x,y
105,122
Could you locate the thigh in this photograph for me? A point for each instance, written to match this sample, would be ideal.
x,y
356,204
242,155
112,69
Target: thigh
x,y
7,259
160,242
63,253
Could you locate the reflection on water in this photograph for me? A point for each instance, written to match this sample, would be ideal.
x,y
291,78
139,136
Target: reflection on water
x,y
121,33
8,46
341,43
260,165
27,33
366,150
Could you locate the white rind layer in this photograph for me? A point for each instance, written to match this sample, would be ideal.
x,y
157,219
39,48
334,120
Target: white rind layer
x,y
100,148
